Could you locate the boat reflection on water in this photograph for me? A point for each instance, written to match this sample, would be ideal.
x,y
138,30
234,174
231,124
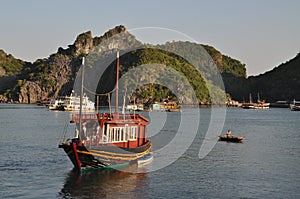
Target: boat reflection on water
x,y
104,184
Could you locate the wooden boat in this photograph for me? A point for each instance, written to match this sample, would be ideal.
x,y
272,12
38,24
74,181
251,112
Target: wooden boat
x,y
107,140
171,106
231,138
248,105
168,106
261,104
173,110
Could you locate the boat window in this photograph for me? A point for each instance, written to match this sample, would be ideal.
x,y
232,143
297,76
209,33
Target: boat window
x,y
132,134
120,134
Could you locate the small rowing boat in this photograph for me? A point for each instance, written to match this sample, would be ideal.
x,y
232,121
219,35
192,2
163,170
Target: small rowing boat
x,y
231,138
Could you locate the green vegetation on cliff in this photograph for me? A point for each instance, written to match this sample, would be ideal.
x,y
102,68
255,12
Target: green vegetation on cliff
x,y
148,57
10,64
226,64
281,83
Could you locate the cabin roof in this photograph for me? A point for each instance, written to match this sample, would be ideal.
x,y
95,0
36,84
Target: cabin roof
x,y
123,118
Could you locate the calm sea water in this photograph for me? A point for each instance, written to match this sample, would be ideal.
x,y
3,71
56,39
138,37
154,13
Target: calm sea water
x,y
266,165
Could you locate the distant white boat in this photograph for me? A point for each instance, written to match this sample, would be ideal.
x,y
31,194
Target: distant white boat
x,y
135,107
72,103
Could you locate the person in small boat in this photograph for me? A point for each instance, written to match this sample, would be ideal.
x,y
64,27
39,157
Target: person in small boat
x,y
228,134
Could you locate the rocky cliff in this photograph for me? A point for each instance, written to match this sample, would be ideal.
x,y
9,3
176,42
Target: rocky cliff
x,y
46,78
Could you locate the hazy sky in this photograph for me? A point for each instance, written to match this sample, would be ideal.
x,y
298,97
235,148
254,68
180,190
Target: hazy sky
x,y
260,33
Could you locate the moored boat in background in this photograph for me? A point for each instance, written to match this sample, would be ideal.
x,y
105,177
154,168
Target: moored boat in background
x,y
295,106
280,104
168,106
171,106
72,103
248,105
55,104
261,104
135,107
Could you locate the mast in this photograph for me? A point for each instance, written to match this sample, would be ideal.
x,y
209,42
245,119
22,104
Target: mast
x,y
117,84
81,94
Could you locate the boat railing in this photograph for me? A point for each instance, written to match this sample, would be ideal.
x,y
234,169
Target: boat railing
x,y
93,116
119,116
90,116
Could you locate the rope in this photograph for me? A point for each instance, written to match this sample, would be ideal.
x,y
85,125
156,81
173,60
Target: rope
x,y
120,154
102,94
133,156
99,94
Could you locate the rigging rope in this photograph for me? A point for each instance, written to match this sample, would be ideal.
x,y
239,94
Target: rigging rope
x,y
116,156
99,94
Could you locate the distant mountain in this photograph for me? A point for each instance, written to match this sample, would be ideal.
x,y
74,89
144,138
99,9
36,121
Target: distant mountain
x,y
281,83
23,82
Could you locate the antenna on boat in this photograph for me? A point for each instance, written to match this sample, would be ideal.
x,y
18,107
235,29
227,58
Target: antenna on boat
x,y
123,107
117,85
81,93
134,107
